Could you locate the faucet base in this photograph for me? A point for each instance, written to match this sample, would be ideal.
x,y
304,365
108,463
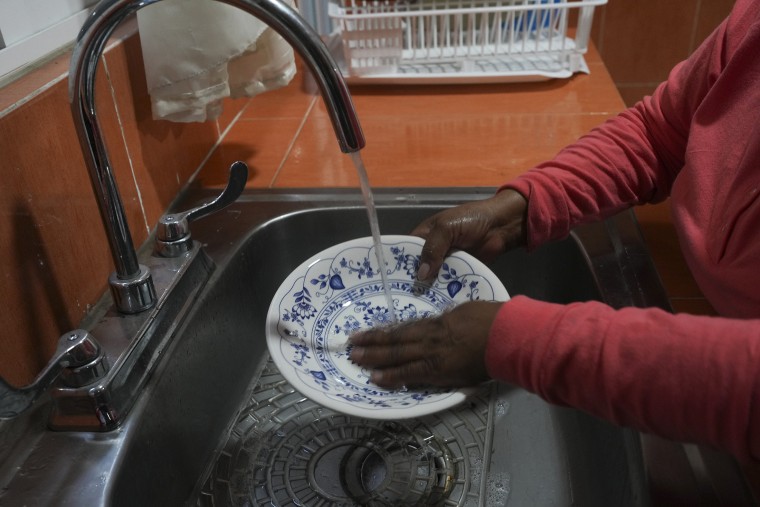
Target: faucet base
x,y
133,345
134,295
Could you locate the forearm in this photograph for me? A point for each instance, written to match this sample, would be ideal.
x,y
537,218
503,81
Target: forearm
x,y
631,159
614,167
683,377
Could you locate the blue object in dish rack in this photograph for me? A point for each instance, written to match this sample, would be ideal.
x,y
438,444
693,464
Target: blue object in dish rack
x,y
533,17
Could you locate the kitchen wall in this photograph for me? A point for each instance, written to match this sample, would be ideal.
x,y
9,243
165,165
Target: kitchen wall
x,y
641,40
54,258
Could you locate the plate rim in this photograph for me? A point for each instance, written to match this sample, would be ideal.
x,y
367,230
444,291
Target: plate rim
x,y
273,338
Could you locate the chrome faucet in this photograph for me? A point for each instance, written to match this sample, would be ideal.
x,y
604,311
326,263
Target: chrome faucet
x,y
132,284
95,383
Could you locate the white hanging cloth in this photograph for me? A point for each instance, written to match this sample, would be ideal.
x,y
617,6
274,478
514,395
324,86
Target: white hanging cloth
x,y
197,52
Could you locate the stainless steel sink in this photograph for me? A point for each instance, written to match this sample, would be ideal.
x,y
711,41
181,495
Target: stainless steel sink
x,y
175,444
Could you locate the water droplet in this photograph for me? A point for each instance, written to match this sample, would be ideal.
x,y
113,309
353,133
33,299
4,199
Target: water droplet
x,y
502,407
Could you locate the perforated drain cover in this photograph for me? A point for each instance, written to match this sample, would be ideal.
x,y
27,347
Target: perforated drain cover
x,y
286,450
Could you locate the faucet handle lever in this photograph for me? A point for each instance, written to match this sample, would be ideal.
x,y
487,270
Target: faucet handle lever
x,y
235,187
78,361
173,231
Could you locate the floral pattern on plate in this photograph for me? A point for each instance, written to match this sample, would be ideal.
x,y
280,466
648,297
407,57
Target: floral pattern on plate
x,y
339,292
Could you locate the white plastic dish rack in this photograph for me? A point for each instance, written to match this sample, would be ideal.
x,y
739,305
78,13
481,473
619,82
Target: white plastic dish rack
x,y
459,41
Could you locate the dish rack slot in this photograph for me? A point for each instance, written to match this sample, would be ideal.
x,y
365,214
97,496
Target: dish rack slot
x,y
455,40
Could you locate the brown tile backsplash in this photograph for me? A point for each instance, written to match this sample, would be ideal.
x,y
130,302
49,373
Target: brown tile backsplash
x,y
262,144
633,37
163,154
55,260
49,224
634,92
641,41
709,15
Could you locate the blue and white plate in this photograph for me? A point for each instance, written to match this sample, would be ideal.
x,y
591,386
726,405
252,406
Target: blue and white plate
x,y
340,291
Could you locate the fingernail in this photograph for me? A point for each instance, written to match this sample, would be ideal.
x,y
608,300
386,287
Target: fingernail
x,y
423,271
356,354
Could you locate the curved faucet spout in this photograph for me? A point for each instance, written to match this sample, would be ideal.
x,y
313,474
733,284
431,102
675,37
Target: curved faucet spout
x,y
131,283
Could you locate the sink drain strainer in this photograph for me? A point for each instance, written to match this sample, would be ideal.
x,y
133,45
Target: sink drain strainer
x,y
392,466
286,450
343,461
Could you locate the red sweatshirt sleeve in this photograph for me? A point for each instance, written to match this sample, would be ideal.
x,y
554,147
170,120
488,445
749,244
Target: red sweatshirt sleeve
x,y
635,157
644,368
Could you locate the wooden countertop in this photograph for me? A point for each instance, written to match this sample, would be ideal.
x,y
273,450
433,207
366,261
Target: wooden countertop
x,y
417,135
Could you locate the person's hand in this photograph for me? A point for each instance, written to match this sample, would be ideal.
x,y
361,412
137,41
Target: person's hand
x,y
447,350
484,228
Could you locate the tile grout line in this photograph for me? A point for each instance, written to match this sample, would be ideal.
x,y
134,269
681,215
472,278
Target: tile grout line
x,y
289,149
126,145
33,94
602,25
694,26
220,138
54,81
630,84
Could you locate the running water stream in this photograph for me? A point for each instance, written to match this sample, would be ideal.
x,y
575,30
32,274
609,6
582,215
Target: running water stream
x,y
374,226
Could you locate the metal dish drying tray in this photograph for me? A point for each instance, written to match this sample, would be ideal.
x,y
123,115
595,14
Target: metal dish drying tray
x,y
459,41
286,450
503,446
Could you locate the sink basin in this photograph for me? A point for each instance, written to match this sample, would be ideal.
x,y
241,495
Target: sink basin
x,y
175,443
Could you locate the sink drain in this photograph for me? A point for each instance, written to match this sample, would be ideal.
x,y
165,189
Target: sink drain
x,y
396,467
286,450
348,462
